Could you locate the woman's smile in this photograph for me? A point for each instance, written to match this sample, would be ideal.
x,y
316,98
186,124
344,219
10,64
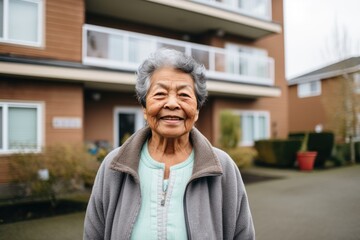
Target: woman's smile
x,y
172,120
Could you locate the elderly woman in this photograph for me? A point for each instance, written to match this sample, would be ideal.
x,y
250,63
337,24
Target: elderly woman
x,y
167,181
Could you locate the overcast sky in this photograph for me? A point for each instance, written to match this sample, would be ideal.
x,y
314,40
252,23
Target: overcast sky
x,y
309,32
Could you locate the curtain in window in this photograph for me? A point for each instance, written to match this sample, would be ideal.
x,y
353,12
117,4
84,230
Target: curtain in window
x,y
23,20
247,128
262,128
139,49
22,128
116,44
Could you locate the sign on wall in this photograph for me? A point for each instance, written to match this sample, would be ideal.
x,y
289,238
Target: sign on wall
x,y
66,122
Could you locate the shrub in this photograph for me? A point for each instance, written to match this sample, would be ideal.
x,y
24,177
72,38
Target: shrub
x,y
242,156
277,152
341,155
70,168
322,143
230,129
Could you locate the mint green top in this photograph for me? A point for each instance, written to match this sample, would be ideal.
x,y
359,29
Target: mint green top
x,y
162,212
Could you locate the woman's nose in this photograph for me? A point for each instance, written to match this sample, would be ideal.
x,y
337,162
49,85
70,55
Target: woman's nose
x,y
172,103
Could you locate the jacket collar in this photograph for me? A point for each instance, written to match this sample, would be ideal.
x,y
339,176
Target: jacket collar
x,y
127,160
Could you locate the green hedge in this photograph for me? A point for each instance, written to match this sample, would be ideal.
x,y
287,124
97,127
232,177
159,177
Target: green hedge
x,y
342,153
277,152
322,143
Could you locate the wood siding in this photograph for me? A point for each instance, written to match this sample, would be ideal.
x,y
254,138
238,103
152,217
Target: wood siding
x,y
62,33
305,113
58,99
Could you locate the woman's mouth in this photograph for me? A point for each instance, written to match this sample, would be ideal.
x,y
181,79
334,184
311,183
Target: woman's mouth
x,y
171,118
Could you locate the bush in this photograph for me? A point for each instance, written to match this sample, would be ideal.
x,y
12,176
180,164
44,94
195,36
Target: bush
x,y
277,152
341,155
242,156
230,129
322,143
69,167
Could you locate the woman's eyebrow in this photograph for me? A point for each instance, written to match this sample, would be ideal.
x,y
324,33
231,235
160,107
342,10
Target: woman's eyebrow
x,y
160,85
182,86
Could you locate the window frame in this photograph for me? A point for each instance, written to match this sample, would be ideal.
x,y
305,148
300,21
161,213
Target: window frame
x,y
256,115
40,28
303,94
5,126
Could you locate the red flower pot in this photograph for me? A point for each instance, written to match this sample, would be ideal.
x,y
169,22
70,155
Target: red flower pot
x,y
306,160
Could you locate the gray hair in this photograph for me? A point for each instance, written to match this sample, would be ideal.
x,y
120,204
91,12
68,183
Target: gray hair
x,y
171,58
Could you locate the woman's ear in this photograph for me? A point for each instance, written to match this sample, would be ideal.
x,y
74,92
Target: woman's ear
x,y
144,113
196,115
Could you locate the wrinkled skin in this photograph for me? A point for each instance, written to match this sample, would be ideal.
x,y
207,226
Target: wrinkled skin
x,y
171,112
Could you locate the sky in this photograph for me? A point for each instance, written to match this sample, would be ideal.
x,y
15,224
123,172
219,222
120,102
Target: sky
x,y
310,27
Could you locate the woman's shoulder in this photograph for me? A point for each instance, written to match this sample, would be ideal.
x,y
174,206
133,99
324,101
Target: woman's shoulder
x,y
109,157
227,163
225,160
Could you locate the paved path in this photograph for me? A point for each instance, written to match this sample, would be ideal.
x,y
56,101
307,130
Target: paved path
x,y
317,205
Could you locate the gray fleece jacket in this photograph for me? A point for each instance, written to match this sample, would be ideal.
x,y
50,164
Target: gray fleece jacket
x,y
215,201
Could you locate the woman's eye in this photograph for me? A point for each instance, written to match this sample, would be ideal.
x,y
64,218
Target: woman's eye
x,y
184,95
159,94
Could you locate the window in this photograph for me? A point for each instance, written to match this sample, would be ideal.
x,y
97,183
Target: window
x,y
21,22
254,125
20,127
357,83
309,89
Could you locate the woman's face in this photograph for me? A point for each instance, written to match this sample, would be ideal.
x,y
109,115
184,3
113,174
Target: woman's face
x,y
171,107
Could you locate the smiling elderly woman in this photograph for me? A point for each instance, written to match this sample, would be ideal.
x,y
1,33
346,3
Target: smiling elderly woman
x,y
167,181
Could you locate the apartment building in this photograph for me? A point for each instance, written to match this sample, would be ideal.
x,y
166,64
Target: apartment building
x,y
67,67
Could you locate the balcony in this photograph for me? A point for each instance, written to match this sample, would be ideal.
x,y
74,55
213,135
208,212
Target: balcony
x,y
123,50
250,19
254,8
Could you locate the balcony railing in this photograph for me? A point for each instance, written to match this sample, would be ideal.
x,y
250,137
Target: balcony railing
x,y
255,8
125,50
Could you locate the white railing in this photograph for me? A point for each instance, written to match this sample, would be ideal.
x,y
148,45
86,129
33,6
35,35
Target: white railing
x,y
255,8
118,49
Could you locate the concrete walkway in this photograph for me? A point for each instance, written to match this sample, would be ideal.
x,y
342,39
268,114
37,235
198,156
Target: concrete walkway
x,y
322,204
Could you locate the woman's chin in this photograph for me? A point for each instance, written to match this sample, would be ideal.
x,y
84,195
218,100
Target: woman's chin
x,y
172,132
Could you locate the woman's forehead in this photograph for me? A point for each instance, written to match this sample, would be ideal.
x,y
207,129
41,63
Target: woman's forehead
x,y
168,77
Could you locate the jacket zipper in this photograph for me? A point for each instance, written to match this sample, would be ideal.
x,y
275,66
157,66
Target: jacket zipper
x,y
163,197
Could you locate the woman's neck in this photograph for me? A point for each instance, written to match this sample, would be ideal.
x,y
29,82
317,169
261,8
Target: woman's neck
x,y
170,151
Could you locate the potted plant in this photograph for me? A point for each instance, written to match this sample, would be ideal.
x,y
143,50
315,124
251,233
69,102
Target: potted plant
x,y
305,158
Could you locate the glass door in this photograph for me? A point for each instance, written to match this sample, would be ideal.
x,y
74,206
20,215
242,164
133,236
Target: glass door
x,y
127,121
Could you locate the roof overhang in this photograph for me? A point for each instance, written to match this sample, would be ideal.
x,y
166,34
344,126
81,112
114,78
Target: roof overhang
x,y
324,75
122,81
185,16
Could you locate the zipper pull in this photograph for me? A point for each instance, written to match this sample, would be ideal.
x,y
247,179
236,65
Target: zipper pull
x,y
163,199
